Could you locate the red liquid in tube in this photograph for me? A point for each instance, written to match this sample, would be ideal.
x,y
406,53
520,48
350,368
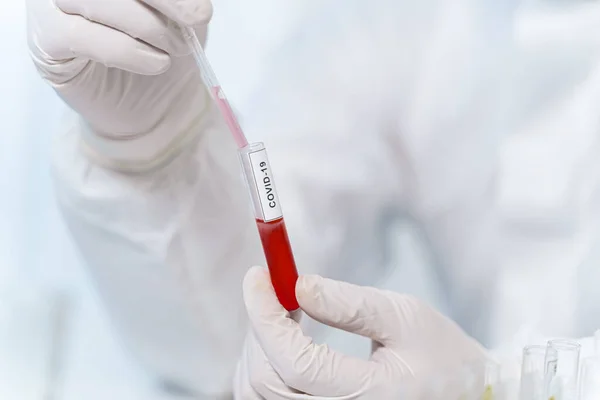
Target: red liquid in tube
x,y
270,223
280,261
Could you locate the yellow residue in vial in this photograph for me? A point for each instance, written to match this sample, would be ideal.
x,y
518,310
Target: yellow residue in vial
x,y
488,394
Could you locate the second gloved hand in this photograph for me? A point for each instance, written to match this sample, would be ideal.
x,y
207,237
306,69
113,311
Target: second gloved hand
x,y
124,66
411,342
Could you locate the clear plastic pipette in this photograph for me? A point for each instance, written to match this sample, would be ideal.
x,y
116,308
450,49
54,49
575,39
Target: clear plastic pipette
x,y
210,80
261,185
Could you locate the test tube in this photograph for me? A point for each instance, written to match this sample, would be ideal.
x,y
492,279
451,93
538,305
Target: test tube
x,y
260,183
537,369
563,386
589,385
492,385
482,381
271,226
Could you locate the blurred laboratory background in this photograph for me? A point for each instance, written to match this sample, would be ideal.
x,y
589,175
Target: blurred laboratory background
x,y
56,341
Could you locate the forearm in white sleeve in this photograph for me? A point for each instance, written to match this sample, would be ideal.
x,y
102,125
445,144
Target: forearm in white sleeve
x,y
167,249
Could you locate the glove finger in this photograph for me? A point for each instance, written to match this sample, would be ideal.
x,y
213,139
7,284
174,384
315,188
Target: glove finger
x,y
186,12
114,49
361,310
301,364
132,17
262,376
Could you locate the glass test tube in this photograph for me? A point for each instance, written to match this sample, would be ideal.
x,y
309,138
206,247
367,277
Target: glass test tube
x,y
563,385
259,179
589,383
271,226
481,381
492,386
537,368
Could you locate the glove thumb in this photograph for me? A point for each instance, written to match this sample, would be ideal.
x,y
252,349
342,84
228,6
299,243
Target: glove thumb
x,y
361,310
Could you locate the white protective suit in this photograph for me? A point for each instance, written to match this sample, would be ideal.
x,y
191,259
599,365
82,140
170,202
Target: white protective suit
x,y
478,122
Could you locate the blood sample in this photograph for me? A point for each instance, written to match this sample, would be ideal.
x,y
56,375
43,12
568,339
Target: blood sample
x,y
270,222
280,261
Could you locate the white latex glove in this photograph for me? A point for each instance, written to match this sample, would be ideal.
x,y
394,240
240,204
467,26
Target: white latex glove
x,y
411,342
125,68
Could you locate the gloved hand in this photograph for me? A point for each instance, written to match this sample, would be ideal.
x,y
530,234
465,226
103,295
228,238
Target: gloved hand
x,y
124,66
411,341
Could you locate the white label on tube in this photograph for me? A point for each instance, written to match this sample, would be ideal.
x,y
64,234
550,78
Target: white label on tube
x,y
265,186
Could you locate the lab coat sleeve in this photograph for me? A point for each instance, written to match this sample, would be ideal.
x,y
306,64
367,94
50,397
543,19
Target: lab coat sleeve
x,y
167,250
